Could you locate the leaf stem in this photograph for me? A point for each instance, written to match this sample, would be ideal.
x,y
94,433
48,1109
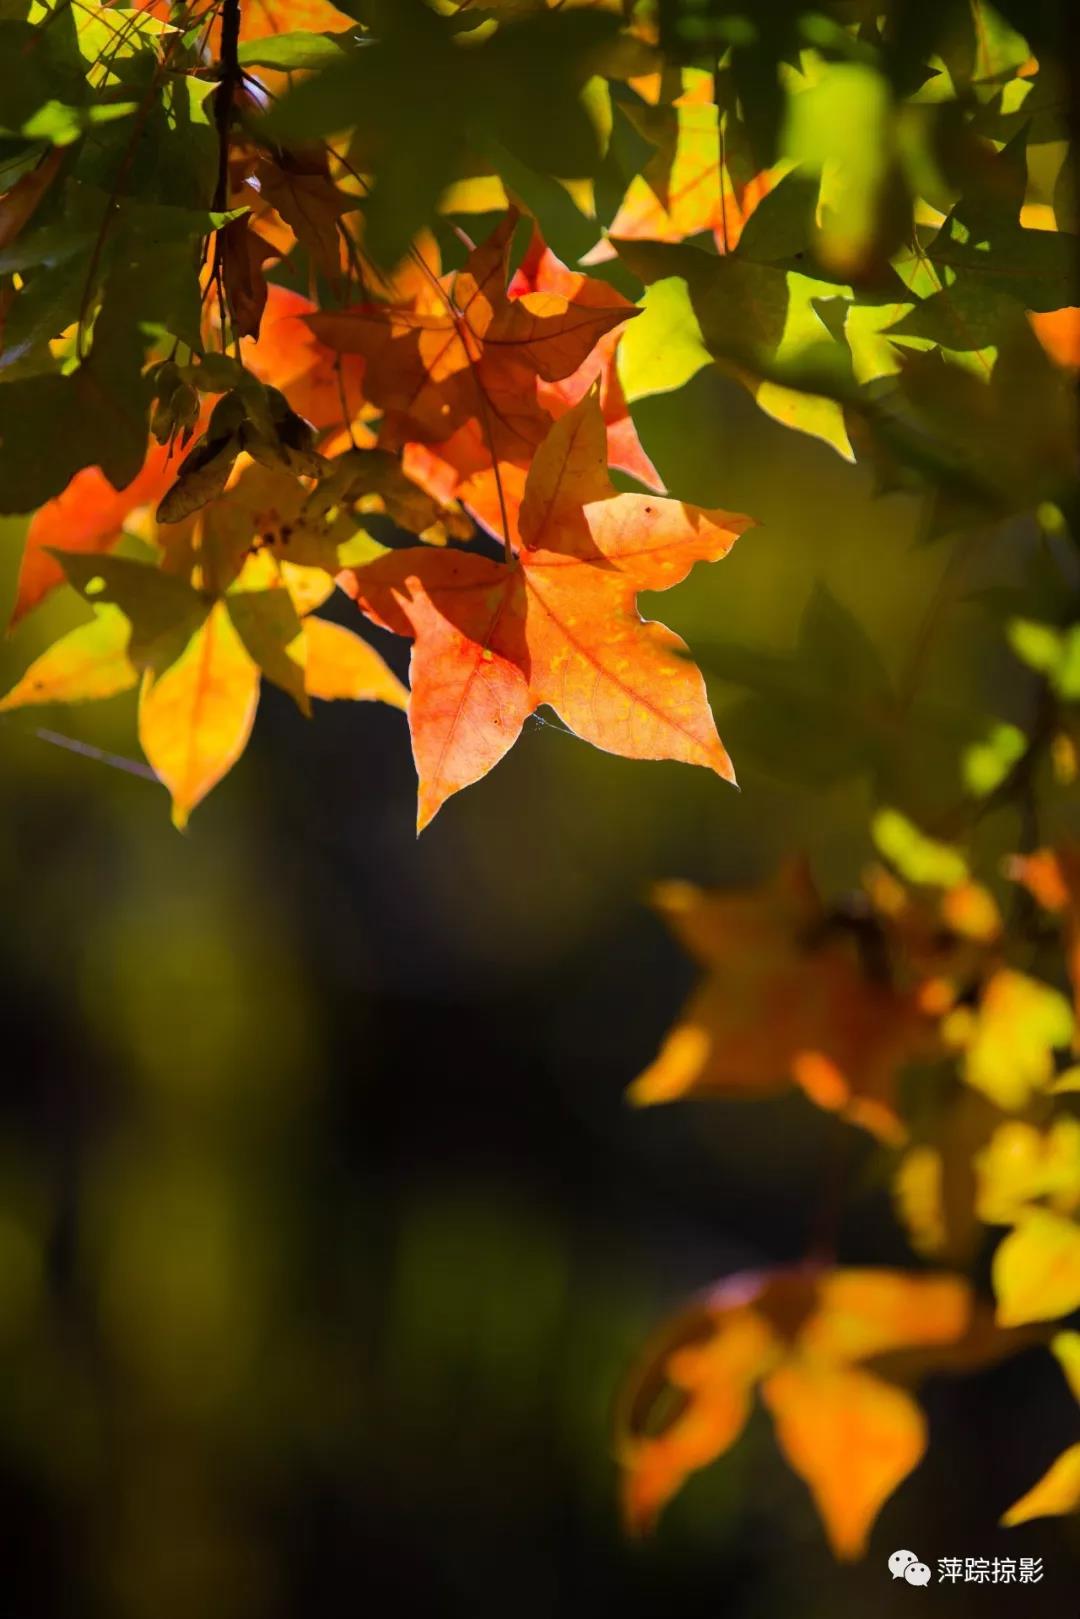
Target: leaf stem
x,y
231,77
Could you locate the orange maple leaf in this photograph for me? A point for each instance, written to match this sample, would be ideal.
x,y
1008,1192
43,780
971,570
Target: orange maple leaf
x,y
465,353
262,19
786,999
557,624
319,385
810,1339
691,184
541,271
89,516
461,468
1058,331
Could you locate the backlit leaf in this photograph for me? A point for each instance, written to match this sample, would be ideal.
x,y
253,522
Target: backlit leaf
x,y
87,663
469,353
558,624
88,516
1021,1164
1009,1042
852,1437
1036,1269
162,610
803,1336
196,717
340,665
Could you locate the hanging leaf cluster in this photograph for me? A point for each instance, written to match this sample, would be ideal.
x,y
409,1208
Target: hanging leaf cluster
x,y
280,285
913,1012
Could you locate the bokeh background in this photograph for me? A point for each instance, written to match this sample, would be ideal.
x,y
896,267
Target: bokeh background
x,y
326,1234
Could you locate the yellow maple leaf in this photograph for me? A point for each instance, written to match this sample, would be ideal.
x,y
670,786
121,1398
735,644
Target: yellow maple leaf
x,y
1036,1269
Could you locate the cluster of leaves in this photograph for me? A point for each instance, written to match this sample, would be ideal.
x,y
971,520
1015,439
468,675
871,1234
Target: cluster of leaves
x,y
876,291
303,300
235,436
913,1012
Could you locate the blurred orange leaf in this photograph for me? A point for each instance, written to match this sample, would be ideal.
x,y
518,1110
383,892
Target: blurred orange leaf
x,y
800,1334
851,1436
786,999
263,18
1058,330
1052,877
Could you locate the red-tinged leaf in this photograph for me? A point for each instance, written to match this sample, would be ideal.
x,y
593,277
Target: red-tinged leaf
x,y
470,354
87,663
89,516
340,665
18,206
461,468
243,252
558,625
541,272
196,717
